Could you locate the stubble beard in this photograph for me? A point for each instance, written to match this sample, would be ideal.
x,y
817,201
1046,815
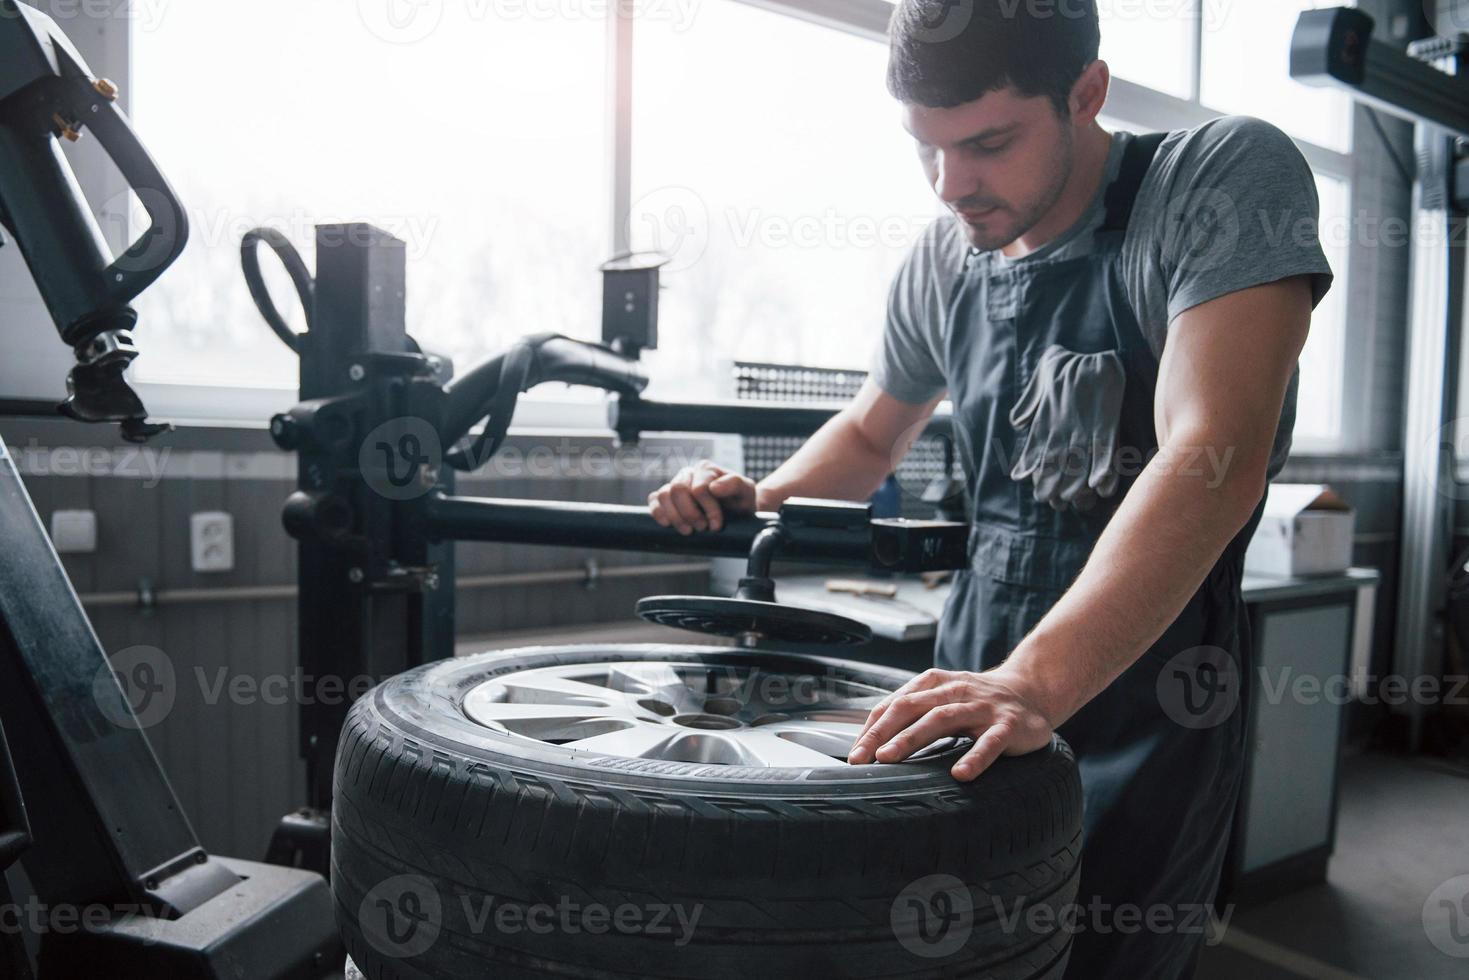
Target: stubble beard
x,y
990,237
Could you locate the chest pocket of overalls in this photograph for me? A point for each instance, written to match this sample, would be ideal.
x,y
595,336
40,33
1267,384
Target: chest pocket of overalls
x,y
1072,378
1066,424
1065,428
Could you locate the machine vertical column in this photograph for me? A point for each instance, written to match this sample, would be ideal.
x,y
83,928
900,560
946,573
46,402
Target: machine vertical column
x,y
1432,436
375,598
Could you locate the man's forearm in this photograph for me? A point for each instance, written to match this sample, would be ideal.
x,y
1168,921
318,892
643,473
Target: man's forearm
x,y
1154,554
837,463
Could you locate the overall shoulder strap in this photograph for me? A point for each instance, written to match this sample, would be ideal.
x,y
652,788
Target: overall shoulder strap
x,y
1122,192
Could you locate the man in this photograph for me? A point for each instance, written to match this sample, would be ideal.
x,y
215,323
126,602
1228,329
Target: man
x,y
1116,320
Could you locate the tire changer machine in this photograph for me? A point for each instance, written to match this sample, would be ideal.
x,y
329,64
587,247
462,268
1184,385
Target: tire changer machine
x,y
113,879
382,427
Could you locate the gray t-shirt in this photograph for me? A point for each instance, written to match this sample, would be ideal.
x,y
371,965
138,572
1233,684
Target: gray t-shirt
x,y
1226,206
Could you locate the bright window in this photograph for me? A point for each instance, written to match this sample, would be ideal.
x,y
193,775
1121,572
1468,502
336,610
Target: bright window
x,y
474,134
1246,70
783,185
1319,406
1150,42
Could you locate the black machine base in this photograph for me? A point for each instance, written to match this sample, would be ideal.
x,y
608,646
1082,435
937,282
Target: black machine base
x,y
276,923
303,839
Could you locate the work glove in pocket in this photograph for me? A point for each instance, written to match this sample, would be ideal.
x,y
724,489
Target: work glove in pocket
x,y
1067,423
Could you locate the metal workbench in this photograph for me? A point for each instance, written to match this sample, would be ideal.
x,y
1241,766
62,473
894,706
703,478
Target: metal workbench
x,y
913,614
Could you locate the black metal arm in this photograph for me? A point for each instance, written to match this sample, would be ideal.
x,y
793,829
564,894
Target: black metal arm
x,y
47,93
1334,47
889,544
490,390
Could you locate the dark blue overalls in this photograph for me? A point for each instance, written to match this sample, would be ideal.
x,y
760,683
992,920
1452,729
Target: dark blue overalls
x,y
1159,793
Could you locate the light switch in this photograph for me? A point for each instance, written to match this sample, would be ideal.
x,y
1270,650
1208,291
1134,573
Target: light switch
x,y
212,541
74,532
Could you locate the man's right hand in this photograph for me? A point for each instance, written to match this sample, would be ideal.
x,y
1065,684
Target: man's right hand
x,y
700,496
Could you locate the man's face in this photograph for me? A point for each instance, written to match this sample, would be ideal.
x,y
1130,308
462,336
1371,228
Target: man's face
x,y
999,162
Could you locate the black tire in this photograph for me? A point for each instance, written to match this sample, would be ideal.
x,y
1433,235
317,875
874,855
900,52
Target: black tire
x,y
459,851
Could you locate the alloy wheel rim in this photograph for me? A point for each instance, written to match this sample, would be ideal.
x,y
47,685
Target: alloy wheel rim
x,y
705,713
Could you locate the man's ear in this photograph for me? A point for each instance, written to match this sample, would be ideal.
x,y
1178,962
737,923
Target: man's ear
x,y
1090,92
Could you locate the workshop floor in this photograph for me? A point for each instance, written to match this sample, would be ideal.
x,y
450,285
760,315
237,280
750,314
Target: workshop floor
x,y
1403,829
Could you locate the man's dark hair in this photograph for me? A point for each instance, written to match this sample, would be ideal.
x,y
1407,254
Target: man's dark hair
x,y
943,53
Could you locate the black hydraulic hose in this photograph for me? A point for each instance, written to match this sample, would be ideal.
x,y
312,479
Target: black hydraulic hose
x,y
295,268
466,398
513,367
757,583
762,551
558,358
493,387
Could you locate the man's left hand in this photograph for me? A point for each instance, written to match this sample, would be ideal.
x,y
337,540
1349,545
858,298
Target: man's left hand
x,y
990,708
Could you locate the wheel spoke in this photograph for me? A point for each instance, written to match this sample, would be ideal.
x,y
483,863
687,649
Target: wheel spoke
x,y
769,749
659,681
548,722
537,688
832,738
635,742
800,726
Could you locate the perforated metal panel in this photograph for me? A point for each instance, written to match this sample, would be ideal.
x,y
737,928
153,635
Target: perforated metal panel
x,y
793,383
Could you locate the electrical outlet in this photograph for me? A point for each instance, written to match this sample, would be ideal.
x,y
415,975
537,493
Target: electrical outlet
x,y
74,532
212,541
